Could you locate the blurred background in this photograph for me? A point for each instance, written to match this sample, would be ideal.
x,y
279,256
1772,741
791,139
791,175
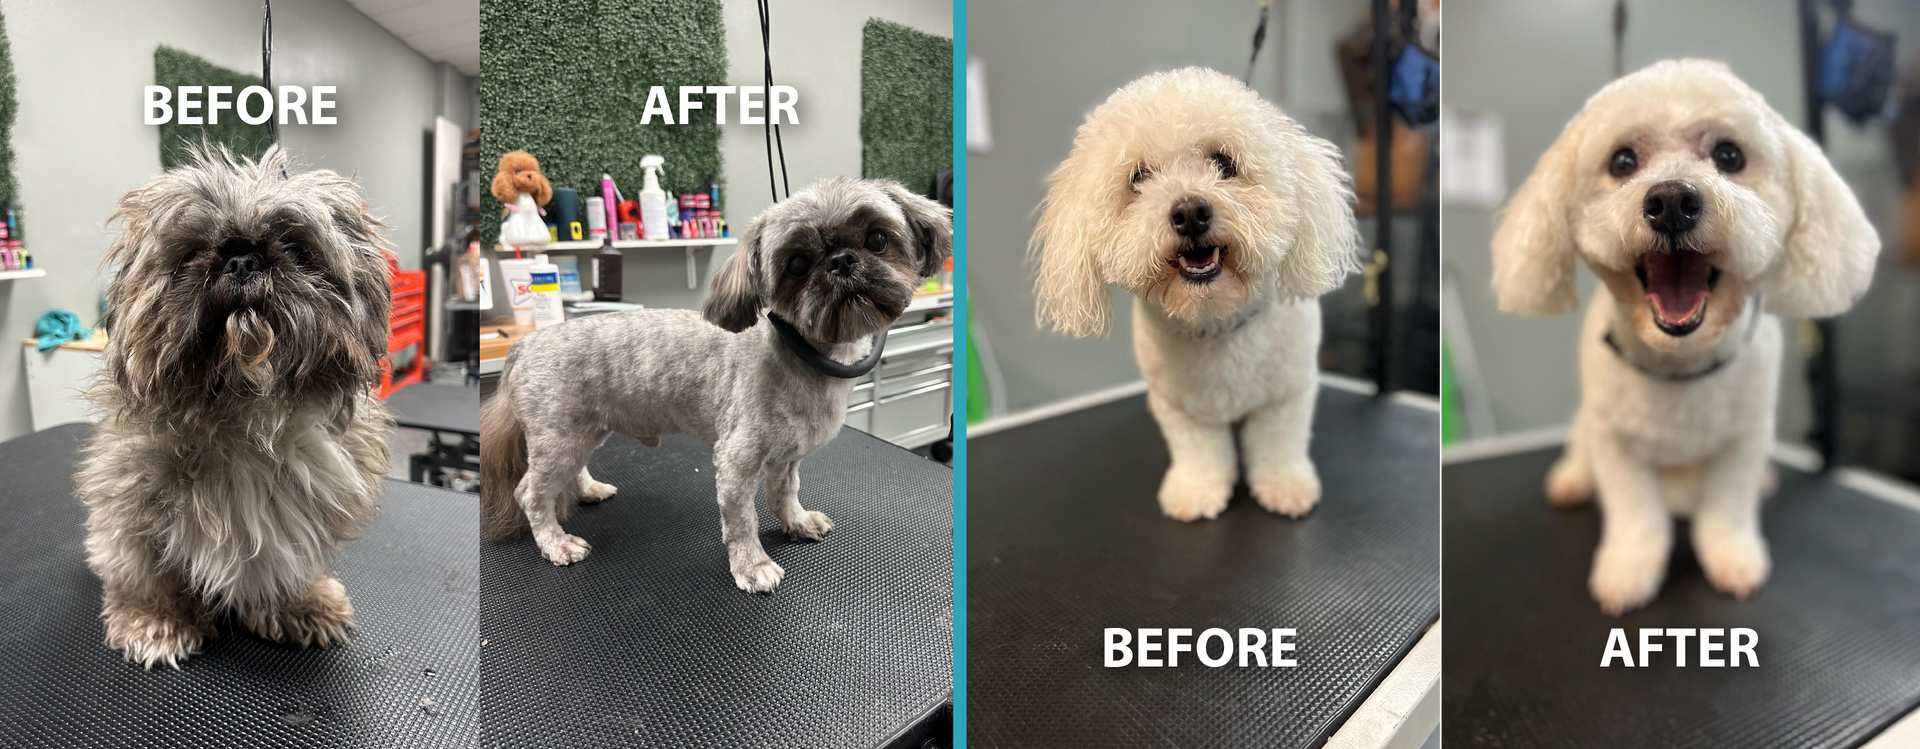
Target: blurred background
x,y
1519,70
1316,64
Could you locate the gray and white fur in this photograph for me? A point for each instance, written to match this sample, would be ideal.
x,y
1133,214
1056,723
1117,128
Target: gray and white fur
x,y
839,260
240,443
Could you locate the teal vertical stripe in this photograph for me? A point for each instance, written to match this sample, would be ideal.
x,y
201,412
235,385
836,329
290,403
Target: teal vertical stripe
x,y
960,328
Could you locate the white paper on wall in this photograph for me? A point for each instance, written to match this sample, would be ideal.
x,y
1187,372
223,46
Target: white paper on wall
x,y
979,137
1473,168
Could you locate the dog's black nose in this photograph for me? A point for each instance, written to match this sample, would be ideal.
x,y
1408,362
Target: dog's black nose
x,y
1672,207
243,266
1191,216
841,261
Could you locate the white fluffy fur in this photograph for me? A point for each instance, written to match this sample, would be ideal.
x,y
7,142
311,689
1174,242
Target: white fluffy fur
x,y
1784,227
1241,347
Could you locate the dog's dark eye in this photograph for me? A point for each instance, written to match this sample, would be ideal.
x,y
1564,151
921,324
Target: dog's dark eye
x,y
1228,170
798,265
1728,158
1140,174
1623,163
877,242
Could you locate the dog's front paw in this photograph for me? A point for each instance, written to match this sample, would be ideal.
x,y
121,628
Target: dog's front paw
x,y
596,491
1189,495
1569,483
811,526
320,618
155,637
1736,563
1292,495
759,575
564,548
1625,579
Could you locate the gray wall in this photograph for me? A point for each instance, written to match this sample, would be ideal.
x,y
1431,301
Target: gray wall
x,y
81,143
1047,65
1534,64
816,49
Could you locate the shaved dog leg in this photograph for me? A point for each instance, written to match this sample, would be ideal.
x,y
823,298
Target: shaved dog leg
x,y
1726,525
783,498
753,571
1279,471
1200,481
1636,533
151,618
553,465
592,491
1570,481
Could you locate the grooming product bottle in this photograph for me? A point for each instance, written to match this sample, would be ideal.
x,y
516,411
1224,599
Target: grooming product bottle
x,y
610,202
565,212
545,282
653,200
606,273
596,218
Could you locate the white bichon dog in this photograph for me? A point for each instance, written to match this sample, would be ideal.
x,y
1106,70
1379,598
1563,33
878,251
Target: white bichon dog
x,y
1225,220
1702,211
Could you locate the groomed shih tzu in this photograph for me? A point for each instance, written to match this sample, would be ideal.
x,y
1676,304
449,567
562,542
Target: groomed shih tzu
x,y
1703,213
240,443
1226,221
831,266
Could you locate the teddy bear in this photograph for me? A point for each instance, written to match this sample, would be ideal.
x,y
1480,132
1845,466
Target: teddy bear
x,y
520,185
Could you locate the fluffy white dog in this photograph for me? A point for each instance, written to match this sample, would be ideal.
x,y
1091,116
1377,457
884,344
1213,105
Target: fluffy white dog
x,y
1225,220
1698,207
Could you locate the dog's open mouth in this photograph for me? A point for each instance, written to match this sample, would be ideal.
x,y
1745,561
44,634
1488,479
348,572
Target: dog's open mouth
x,y
1677,283
1200,264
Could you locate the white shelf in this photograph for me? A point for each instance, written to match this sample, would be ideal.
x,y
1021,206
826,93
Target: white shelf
x,y
633,244
693,278
8,275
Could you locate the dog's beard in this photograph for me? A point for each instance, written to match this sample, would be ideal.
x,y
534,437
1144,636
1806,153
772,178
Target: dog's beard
x,y
844,310
1199,280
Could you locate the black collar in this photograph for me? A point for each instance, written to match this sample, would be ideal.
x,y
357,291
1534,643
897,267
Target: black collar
x,y
818,361
1752,323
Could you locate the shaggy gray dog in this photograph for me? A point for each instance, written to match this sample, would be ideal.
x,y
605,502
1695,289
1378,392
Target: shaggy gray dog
x,y
838,261
240,443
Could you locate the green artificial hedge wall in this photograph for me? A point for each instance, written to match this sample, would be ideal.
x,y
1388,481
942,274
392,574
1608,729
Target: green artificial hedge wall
x,y
906,104
566,80
9,109
171,68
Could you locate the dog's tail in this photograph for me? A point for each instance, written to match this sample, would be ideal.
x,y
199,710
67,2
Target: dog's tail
x,y
503,460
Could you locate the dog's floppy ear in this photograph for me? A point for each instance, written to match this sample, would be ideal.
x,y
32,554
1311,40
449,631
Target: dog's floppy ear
x,y
1071,292
734,302
1326,242
1533,250
931,223
1827,260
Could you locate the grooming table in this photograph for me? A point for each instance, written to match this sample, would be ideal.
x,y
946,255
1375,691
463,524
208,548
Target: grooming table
x,y
407,677
450,415
1838,621
647,642
1065,538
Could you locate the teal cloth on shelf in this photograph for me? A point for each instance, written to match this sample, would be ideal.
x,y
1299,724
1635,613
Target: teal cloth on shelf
x,y
59,326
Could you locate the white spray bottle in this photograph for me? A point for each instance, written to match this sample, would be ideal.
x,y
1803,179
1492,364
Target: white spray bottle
x,y
653,200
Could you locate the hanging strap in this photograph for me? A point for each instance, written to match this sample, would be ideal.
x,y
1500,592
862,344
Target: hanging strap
x,y
266,67
1619,36
771,127
819,362
1259,37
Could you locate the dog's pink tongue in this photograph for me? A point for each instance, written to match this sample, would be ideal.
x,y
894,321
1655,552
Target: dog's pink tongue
x,y
1677,284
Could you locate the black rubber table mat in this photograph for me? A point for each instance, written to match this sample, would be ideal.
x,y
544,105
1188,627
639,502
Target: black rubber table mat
x,y
447,408
1065,538
647,642
412,577
1838,621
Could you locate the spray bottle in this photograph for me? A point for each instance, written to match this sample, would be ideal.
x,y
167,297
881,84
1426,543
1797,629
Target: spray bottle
x,y
653,200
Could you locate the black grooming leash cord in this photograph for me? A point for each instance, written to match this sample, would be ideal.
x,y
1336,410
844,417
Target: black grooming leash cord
x,y
1752,324
818,361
